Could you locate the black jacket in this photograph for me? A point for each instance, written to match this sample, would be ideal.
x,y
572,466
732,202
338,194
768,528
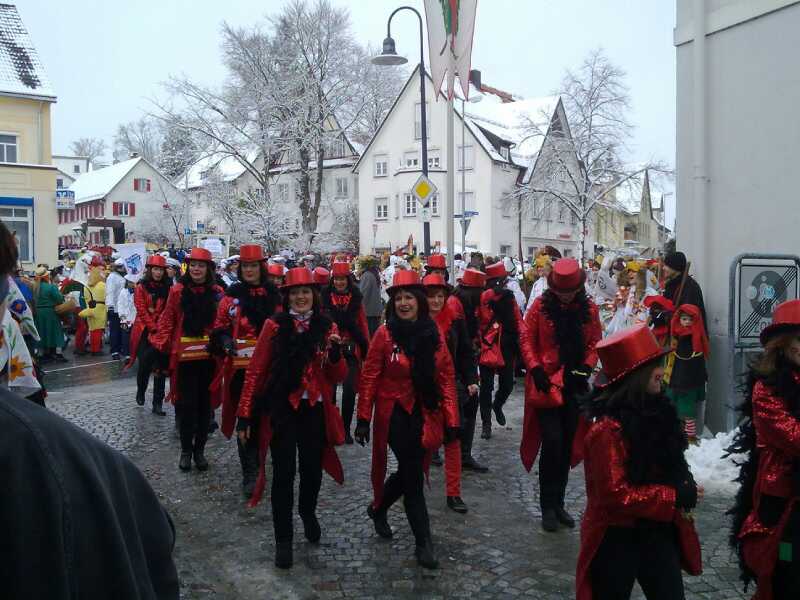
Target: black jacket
x,y
78,519
691,294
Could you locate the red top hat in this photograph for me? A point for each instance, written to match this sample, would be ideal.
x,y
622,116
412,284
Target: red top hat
x,y
496,271
251,253
321,276
299,276
199,254
436,261
340,269
785,317
404,279
664,303
275,270
435,281
156,261
625,351
566,275
473,278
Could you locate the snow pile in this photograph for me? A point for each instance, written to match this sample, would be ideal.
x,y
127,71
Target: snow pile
x,y
710,469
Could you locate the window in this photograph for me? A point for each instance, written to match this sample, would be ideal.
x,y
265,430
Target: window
x,y
381,209
418,121
381,165
572,218
141,184
566,252
465,157
123,209
60,184
19,220
410,160
282,192
341,187
410,209
76,168
335,148
469,201
505,249
433,160
504,152
561,211
433,204
505,211
532,250
8,148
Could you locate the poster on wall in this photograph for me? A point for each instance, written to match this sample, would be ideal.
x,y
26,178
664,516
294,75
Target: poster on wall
x,y
218,245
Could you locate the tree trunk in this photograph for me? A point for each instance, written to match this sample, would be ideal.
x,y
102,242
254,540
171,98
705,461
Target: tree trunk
x,y
304,192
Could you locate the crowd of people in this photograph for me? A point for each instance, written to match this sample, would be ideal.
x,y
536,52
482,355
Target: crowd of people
x,y
613,359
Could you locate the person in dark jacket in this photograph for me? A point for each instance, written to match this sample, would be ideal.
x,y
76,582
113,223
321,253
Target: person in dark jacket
x,y
370,286
674,267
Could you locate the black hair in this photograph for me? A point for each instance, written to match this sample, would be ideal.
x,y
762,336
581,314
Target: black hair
x,y
8,251
422,301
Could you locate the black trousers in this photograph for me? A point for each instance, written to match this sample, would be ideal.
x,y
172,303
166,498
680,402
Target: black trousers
x,y
506,386
114,332
469,414
194,402
557,427
786,577
299,433
248,451
372,325
405,440
149,359
349,390
647,554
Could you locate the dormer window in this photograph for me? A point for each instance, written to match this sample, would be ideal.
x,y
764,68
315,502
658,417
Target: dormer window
x,y
504,152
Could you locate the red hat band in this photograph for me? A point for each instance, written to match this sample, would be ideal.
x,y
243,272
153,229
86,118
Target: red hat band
x,y
251,253
199,254
298,276
496,271
436,261
403,279
275,270
786,316
622,352
473,278
321,276
156,261
435,281
340,269
566,275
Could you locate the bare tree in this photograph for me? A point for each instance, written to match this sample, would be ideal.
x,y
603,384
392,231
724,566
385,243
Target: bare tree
x,y
92,148
142,137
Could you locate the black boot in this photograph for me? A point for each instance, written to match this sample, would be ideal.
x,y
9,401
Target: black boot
x,y
140,398
564,517
382,527
455,503
248,457
185,463
311,528
425,555
199,456
283,555
159,383
498,414
549,520
468,463
486,432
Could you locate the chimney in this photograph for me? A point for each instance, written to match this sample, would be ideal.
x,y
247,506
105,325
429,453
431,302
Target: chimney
x,y
134,155
475,78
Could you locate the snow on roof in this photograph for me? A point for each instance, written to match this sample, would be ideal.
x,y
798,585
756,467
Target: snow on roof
x,y
21,70
99,183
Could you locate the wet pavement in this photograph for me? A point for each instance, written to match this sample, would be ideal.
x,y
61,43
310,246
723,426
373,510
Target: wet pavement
x,y
225,550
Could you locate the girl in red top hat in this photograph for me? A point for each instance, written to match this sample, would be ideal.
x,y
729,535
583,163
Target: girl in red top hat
x,y
638,484
766,516
408,380
150,298
288,398
241,314
189,313
342,302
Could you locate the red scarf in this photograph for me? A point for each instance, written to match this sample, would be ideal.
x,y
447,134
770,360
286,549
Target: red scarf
x,y
340,300
696,330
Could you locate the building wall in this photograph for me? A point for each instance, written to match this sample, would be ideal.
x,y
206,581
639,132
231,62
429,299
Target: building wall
x,y
27,189
752,139
68,164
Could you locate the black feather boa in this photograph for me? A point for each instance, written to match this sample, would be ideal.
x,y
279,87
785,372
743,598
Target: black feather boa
x,y
158,290
256,307
346,319
568,321
782,381
419,340
199,305
470,299
503,306
292,351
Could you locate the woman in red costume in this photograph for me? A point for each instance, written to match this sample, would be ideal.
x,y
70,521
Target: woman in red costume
x,y
150,298
638,484
288,397
341,301
766,516
241,314
189,318
453,331
408,379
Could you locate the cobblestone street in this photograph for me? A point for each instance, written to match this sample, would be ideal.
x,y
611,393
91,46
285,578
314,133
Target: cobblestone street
x,y
225,550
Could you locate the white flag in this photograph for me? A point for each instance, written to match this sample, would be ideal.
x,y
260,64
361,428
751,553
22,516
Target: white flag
x,y
451,25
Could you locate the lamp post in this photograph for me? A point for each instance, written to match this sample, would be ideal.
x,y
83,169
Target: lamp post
x,y
389,57
474,97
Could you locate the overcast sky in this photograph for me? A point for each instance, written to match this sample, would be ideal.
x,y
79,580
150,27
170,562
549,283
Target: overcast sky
x,y
105,58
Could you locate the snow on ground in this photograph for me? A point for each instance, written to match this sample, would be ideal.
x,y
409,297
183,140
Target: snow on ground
x,y
710,469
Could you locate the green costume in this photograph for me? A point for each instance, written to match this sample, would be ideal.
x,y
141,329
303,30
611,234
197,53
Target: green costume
x,y
48,324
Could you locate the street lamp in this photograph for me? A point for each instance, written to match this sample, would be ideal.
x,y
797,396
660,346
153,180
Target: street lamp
x,y
475,96
389,57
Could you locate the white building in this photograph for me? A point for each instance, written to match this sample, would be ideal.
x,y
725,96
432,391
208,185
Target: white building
x,y
499,153
738,139
127,202
69,169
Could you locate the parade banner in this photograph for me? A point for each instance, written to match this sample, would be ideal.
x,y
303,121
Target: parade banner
x,y
135,257
451,25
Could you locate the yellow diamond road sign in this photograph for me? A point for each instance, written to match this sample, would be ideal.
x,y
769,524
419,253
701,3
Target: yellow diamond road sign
x,y
423,190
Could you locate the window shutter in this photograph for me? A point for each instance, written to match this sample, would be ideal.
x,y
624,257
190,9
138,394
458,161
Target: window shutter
x,y
148,185
135,185
115,208
131,209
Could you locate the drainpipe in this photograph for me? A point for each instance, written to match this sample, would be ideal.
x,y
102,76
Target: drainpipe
x,y
698,227
40,134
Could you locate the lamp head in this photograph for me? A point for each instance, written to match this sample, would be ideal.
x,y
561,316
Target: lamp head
x,y
389,56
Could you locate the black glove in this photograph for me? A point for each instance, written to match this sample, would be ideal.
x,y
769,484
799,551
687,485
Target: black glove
x,y
540,379
450,434
221,344
686,493
334,352
362,432
242,424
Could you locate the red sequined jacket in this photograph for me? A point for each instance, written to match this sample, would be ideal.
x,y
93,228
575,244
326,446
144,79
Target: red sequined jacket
x,y
148,313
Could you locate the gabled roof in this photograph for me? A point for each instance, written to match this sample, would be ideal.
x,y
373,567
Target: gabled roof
x,y
21,70
99,183
225,166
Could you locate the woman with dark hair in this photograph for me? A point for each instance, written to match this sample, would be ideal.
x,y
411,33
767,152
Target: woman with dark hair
x,y
638,484
766,515
287,396
150,298
183,333
342,303
241,314
409,380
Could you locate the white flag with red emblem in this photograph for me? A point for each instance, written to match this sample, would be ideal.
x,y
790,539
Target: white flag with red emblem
x,y
451,25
